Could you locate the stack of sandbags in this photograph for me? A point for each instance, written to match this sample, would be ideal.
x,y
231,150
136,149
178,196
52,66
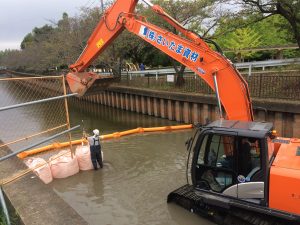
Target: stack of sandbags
x,y
41,168
83,156
63,165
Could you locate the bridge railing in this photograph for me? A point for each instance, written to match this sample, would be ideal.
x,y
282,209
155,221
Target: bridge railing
x,y
240,66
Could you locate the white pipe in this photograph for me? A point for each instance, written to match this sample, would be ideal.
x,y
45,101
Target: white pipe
x,y
218,95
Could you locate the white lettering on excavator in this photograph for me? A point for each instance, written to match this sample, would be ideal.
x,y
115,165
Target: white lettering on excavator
x,y
200,70
179,49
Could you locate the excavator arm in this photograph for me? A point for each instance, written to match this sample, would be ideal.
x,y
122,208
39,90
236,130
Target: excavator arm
x,y
107,30
216,70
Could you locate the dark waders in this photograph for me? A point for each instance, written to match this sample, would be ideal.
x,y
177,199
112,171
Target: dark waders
x,y
96,154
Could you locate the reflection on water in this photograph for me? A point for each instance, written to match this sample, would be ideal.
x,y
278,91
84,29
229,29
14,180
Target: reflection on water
x,y
109,120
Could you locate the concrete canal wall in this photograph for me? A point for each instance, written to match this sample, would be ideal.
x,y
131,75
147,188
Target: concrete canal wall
x,y
195,108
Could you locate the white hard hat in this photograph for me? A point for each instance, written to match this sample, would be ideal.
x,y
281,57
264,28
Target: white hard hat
x,y
96,132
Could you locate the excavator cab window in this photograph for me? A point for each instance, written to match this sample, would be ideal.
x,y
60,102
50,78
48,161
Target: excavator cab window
x,y
229,164
249,158
215,162
251,178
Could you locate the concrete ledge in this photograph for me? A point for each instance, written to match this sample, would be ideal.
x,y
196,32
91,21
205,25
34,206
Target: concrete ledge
x,y
34,201
277,105
177,96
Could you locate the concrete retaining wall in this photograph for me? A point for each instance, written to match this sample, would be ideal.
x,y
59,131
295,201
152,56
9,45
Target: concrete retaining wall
x,y
195,108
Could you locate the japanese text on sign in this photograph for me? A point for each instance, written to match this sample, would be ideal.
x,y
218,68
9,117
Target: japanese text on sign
x,y
171,45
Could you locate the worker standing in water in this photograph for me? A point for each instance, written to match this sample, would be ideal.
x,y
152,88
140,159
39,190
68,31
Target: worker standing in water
x,y
95,149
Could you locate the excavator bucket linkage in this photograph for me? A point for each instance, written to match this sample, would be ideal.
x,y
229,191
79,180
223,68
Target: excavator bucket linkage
x,y
87,81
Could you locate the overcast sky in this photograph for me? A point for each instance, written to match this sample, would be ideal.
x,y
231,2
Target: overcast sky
x,y
19,17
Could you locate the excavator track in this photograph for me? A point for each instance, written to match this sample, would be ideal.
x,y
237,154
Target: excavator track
x,y
242,217
221,210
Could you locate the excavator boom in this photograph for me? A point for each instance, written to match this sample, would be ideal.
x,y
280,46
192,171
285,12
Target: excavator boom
x,y
104,34
192,51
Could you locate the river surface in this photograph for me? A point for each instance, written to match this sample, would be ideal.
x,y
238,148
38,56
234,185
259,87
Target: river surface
x,y
139,170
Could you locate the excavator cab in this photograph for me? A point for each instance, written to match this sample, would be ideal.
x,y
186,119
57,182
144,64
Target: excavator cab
x,y
231,158
230,167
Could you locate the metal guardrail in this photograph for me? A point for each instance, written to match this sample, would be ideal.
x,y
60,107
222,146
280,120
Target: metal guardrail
x,y
272,85
268,63
246,65
164,71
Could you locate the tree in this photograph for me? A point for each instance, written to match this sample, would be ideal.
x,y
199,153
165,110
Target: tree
x,y
241,39
62,42
288,9
271,32
28,40
43,33
191,14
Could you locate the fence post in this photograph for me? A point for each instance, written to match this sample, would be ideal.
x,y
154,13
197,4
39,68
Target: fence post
x,y
156,75
148,80
127,78
260,82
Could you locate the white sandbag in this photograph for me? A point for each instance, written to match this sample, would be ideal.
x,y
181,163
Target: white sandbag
x,y
43,171
83,155
63,165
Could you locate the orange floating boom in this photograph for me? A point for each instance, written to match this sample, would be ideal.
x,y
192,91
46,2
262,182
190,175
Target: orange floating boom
x,y
58,145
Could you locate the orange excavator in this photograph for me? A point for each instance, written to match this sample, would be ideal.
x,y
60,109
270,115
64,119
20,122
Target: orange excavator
x,y
241,172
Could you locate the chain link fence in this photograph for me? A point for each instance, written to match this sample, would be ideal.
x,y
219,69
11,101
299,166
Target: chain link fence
x,y
32,109
277,85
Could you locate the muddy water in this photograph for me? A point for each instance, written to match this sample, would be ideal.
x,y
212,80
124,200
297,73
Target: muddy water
x,y
139,172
